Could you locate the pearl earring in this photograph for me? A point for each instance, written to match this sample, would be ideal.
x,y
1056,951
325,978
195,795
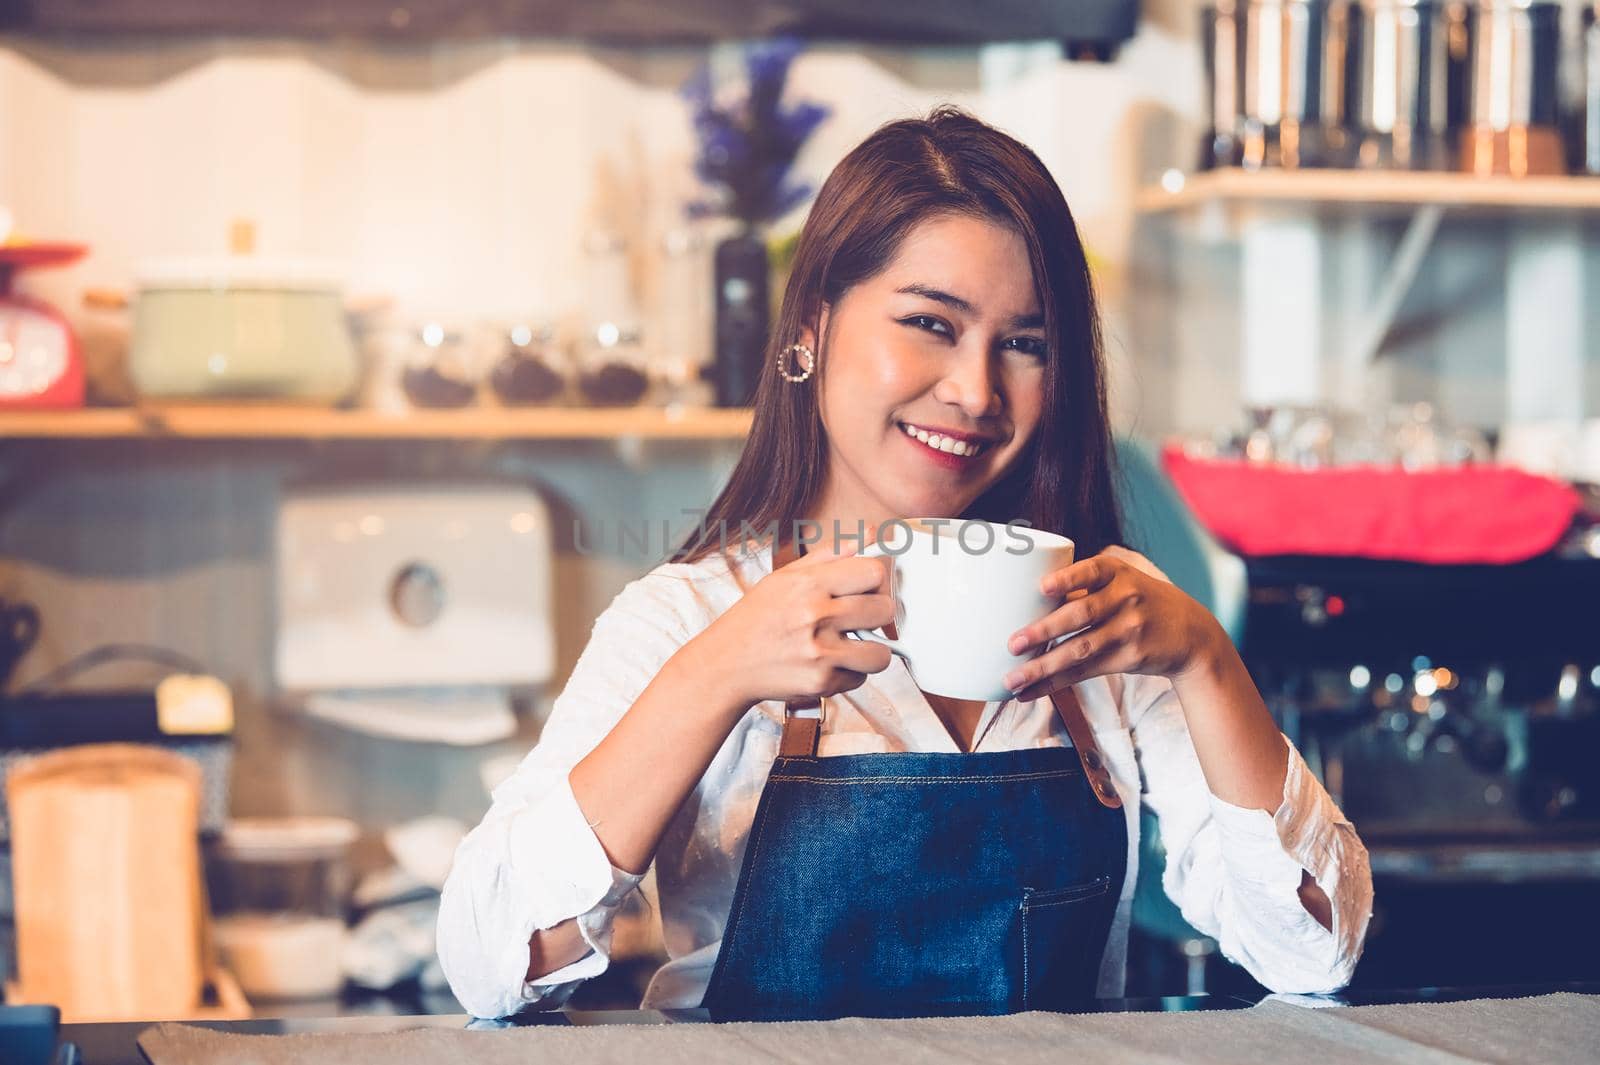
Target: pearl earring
x,y
803,356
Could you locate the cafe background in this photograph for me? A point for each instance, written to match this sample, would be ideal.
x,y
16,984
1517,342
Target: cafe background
x,y
389,539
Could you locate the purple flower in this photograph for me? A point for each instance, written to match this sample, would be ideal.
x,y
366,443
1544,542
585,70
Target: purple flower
x,y
748,147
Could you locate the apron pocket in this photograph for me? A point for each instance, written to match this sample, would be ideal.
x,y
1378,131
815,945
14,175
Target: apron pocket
x,y
1062,938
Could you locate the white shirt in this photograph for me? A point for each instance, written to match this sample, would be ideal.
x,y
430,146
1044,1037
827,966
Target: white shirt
x,y
534,861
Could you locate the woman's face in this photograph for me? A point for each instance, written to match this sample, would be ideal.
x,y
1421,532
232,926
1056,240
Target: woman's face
x,y
947,342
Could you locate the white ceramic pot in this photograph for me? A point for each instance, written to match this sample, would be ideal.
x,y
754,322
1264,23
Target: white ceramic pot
x,y
241,327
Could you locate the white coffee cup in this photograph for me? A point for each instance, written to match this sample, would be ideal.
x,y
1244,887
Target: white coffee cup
x,y
961,589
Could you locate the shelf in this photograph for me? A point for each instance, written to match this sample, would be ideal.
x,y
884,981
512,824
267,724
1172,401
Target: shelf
x,y
1308,247
254,422
1372,189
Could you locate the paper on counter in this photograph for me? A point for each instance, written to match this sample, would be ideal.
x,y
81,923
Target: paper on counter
x,y
461,717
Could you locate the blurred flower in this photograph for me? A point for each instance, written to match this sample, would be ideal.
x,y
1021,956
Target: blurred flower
x,y
749,142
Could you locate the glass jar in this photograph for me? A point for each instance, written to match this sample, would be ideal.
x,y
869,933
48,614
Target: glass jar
x,y
681,340
530,370
612,364
445,362
280,888
613,369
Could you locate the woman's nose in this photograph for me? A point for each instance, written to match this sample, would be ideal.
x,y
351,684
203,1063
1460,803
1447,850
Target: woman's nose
x,y
972,384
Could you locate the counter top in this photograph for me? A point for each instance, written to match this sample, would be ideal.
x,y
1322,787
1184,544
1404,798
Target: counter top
x,y
116,1044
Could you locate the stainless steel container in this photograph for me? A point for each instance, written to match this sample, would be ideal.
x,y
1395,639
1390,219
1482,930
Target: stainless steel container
x,y
1410,55
1513,89
1588,135
1220,37
1339,96
1277,77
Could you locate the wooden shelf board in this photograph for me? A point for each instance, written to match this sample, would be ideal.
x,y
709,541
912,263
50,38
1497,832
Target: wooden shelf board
x,y
1357,189
252,422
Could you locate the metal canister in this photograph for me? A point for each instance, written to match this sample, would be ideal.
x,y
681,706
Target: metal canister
x,y
1278,75
1282,53
1587,156
1513,89
1409,54
1220,37
1339,95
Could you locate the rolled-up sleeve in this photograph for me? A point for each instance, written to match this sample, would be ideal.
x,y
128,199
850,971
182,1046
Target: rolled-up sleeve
x,y
1235,873
534,860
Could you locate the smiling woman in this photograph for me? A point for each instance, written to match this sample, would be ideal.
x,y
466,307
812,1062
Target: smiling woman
x,y
828,838
941,285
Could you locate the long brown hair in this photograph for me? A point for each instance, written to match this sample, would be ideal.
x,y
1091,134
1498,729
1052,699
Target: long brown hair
x,y
905,172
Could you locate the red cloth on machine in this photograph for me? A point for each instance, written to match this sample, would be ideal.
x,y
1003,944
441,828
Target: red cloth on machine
x,y
1454,515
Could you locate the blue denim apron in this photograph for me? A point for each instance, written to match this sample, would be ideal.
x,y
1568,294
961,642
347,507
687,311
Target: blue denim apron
x,y
910,884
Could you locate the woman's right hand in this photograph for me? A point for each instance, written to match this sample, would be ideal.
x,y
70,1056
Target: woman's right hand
x,y
784,638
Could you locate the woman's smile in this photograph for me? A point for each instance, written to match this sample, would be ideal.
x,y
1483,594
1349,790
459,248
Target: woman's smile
x,y
944,450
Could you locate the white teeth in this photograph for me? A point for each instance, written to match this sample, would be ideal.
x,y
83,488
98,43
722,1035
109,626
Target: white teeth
x,y
949,445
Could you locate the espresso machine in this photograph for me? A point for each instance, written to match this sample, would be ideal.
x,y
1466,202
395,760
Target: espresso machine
x,y
1452,711
1440,704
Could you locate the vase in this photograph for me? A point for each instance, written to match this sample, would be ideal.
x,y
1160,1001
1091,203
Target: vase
x,y
742,317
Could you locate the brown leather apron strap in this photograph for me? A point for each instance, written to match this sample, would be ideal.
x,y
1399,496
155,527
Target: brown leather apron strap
x,y
1094,763
800,734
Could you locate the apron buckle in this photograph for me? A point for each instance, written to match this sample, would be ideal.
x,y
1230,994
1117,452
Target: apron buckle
x,y
802,728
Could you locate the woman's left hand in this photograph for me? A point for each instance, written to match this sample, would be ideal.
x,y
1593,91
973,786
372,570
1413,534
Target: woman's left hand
x,y
1134,621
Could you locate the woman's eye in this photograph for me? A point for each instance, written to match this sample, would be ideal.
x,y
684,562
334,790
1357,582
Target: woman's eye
x,y
1034,346
928,322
